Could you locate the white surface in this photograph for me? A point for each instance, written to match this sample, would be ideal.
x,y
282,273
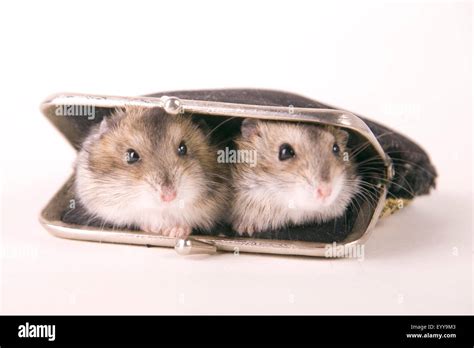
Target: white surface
x,y
407,65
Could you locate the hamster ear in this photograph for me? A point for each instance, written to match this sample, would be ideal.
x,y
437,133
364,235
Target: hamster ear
x,y
249,128
203,126
110,120
342,136
104,125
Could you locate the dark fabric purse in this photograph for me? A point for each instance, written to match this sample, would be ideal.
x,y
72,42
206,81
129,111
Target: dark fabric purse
x,y
412,173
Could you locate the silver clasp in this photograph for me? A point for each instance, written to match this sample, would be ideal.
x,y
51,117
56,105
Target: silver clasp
x,y
192,246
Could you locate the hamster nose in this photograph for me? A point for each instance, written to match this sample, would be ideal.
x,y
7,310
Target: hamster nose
x,y
167,194
323,191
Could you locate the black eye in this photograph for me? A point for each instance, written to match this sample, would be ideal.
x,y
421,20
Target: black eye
x,y
286,152
182,149
335,149
131,156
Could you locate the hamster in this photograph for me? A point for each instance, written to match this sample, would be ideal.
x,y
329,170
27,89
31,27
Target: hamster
x,y
302,174
142,168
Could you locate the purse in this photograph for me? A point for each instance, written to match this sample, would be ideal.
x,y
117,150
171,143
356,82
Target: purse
x,y
401,169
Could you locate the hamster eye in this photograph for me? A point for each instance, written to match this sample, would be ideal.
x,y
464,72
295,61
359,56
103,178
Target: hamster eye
x,y
286,152
182,149
335,149
131,156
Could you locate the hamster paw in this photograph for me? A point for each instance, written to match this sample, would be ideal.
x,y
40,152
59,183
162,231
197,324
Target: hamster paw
x,y
244,230
179,231
150,229
174,232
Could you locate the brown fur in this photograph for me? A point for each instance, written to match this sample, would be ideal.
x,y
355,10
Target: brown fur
x,y
108,180
258,190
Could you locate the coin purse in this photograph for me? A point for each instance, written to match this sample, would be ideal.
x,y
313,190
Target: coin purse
x,y
400,169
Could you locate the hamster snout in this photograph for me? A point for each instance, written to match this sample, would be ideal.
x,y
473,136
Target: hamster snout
x,y
323,192
143,168
303,174
167,194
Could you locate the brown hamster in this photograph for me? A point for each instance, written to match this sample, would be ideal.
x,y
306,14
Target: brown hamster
x,y
142,168
302,174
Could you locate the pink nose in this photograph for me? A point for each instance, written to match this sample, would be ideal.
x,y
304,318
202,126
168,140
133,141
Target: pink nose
x,y
167,194
323,191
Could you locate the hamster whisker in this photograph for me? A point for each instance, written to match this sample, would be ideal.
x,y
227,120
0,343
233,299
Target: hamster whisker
x,y
219,176
368,194
223,141
361,147
355,204
219,125
408,190
414,164
365,199
396,161
368,191
366,186
374,159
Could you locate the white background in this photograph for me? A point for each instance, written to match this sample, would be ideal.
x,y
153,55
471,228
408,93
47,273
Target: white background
x,y
407,64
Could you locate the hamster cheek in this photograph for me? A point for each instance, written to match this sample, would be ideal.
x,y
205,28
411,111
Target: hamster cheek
x,y
337,186
297,197
146,198
189,189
